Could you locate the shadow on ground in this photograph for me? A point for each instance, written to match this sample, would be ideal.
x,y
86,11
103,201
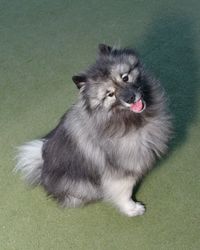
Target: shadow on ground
x,y
168,51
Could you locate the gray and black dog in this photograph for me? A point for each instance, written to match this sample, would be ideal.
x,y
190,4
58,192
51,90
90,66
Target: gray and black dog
x,y
107,141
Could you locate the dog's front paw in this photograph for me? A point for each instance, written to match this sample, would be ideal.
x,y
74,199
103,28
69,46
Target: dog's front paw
x,y
132,209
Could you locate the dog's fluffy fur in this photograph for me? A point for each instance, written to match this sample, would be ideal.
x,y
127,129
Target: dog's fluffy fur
x,y
107,141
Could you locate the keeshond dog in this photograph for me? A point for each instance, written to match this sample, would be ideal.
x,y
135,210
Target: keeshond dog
x,y
106,142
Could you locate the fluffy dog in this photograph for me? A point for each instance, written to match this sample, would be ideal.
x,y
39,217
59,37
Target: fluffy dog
x,y
105,142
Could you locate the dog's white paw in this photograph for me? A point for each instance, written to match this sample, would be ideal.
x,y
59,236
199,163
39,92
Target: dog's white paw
x,y
132,209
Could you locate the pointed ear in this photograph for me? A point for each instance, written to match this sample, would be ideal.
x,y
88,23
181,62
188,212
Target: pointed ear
x,y
79,80
104,49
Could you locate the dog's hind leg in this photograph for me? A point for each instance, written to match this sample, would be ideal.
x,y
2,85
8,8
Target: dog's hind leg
x,y
71,201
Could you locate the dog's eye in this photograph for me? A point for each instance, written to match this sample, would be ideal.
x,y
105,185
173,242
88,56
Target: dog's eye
x,y
111,94
125,77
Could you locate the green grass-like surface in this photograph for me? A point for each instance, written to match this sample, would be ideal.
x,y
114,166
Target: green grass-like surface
x,y
42,44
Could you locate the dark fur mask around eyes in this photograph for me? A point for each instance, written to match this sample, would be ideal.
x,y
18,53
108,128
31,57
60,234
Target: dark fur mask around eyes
x,y
109,59
115,81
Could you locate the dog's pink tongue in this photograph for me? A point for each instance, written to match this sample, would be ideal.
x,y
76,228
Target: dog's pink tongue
x,y
137,106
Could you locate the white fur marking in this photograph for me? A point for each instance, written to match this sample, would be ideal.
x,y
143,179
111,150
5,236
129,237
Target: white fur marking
x,y
29,161
119,192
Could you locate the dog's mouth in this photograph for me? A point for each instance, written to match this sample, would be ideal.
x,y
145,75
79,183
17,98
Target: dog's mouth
x,y
137,107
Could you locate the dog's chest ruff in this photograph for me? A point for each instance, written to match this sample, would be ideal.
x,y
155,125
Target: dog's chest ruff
x,y
137,150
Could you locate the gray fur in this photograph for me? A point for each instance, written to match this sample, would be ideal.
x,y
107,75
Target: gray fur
x,y
101,147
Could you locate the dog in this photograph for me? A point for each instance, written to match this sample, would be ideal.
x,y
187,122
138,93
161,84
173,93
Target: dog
x,y
108,140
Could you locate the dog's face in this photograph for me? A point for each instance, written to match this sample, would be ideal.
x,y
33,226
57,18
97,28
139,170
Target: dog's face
x,y
114,82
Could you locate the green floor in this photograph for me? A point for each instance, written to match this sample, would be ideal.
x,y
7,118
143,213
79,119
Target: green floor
x,y
42,44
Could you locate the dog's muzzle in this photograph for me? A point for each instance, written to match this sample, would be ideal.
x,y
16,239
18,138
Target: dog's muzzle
x,y
131,98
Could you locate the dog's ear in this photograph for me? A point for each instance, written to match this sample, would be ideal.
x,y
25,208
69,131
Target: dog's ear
x,y
104,49
79,80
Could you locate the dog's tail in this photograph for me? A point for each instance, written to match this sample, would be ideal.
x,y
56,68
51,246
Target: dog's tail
x,y
30,161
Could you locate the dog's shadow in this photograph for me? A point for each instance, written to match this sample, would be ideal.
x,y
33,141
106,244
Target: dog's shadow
x,y
168,51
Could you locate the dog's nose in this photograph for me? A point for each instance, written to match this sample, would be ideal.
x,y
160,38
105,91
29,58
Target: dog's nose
x,y
128,95
131,99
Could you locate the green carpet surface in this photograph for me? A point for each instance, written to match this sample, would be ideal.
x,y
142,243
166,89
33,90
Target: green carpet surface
x,y
42,44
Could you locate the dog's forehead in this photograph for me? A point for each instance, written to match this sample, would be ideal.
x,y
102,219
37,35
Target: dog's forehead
x,y
123,65
102,85
120,68
132,59
108,85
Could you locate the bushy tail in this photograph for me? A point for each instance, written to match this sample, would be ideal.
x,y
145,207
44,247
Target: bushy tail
x,y
30,162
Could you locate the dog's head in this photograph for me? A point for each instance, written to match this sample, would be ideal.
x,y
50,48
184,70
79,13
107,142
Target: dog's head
x,y
115,82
